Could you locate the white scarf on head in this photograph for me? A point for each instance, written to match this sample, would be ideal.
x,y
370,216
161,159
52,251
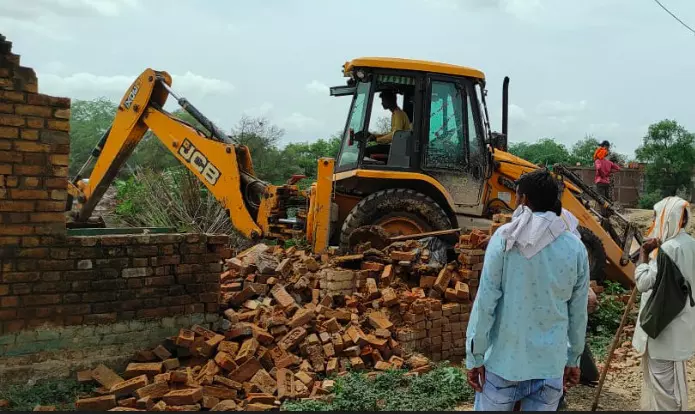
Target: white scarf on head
x,y
530,232
668,215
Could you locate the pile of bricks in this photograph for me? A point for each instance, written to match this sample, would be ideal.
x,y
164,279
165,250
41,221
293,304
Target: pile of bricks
x,y
292,319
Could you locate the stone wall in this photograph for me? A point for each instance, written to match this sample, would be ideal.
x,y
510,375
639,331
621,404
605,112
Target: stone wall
x,y
69,302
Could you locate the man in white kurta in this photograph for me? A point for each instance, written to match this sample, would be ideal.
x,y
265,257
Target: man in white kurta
x,y
664,357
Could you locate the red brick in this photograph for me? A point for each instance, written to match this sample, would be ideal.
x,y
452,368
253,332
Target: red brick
x,y
29,170
59,160
103,403
40,99
10,156
12,205
183,397
129,386
59,195
58,125
245,371
35,300
8,315
33,110
29,134
11,120
6,108
37,123
9,132
12,96
18,194
20,277
30,146
5,144
9,302
16,230
62,113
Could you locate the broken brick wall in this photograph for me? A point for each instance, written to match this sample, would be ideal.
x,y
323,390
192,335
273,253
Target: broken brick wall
x,y
66,302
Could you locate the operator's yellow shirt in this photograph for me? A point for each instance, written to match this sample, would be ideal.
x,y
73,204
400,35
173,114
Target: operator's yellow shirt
x,y
399,122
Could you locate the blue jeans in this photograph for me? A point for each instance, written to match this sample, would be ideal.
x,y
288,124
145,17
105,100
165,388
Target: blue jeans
x,y
535,395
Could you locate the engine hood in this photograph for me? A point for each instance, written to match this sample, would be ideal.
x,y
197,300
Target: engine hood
x,y
506,157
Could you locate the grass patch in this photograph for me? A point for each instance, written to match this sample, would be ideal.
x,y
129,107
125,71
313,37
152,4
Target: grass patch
x,y
443,388
59,392
599,344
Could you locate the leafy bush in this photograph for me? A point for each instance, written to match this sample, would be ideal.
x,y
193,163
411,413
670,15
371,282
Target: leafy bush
x,y
440,389
610,309
648,200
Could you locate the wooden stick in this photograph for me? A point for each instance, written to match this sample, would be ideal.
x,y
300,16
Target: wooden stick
x,y
614,345
423,235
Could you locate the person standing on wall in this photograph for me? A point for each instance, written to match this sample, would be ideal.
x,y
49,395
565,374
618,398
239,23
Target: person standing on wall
x,y
604,167
665,330
528,323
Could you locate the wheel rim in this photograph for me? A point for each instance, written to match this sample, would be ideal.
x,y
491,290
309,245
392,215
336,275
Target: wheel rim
x,y
402,224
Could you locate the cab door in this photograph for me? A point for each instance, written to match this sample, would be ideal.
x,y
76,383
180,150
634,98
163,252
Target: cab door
x,y
453,150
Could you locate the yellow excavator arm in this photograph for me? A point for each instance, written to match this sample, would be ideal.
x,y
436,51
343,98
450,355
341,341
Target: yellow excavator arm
x,y
256,208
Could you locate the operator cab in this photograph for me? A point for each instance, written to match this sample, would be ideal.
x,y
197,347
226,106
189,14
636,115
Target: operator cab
x,y
448,139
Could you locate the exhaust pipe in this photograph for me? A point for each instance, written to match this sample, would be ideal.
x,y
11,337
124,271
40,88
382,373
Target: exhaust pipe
x,y
505,106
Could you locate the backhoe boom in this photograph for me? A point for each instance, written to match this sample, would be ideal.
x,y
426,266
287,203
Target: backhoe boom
x,y
215,160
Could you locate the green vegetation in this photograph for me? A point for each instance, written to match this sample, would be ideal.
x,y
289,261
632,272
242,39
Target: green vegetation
x,y
547,152
669,151
59,392
443,388
604,322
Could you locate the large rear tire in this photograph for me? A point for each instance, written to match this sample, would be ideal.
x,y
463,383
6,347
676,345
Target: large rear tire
x,y
597,254
398,211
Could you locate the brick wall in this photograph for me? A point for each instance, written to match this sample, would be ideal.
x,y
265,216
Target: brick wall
x,y
70,301
628,184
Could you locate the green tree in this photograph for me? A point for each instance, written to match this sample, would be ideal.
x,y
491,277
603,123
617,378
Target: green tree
x,y
306,155
668,149
89,120
583,150
543,152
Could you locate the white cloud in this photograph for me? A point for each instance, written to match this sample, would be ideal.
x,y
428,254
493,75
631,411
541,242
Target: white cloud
x,y
317,87
519,8
516,113
259,111
299,121
47,17
559,109
30,10
88,86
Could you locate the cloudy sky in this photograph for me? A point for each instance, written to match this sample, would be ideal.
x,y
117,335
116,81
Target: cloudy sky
x,y
605,67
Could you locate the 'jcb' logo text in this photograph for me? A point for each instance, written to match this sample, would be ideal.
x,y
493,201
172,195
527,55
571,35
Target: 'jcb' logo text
x,y
199,162
131,95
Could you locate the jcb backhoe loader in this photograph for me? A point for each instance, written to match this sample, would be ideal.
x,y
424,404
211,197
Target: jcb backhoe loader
x,y
448,171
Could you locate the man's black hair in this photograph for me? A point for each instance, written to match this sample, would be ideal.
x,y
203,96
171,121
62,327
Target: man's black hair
x,y
542,191
686,217
388,94
606,144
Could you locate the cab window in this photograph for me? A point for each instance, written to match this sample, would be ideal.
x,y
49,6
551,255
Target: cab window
x,y
349,152
446,141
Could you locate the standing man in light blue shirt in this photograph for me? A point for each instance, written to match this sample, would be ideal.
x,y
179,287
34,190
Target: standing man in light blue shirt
x,y
532,303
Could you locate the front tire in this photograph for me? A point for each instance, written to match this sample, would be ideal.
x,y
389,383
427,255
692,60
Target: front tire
x,y
398,211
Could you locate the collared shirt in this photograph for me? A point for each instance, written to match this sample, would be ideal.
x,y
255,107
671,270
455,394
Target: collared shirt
x,y
604,168
528,310
677,341
399,122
